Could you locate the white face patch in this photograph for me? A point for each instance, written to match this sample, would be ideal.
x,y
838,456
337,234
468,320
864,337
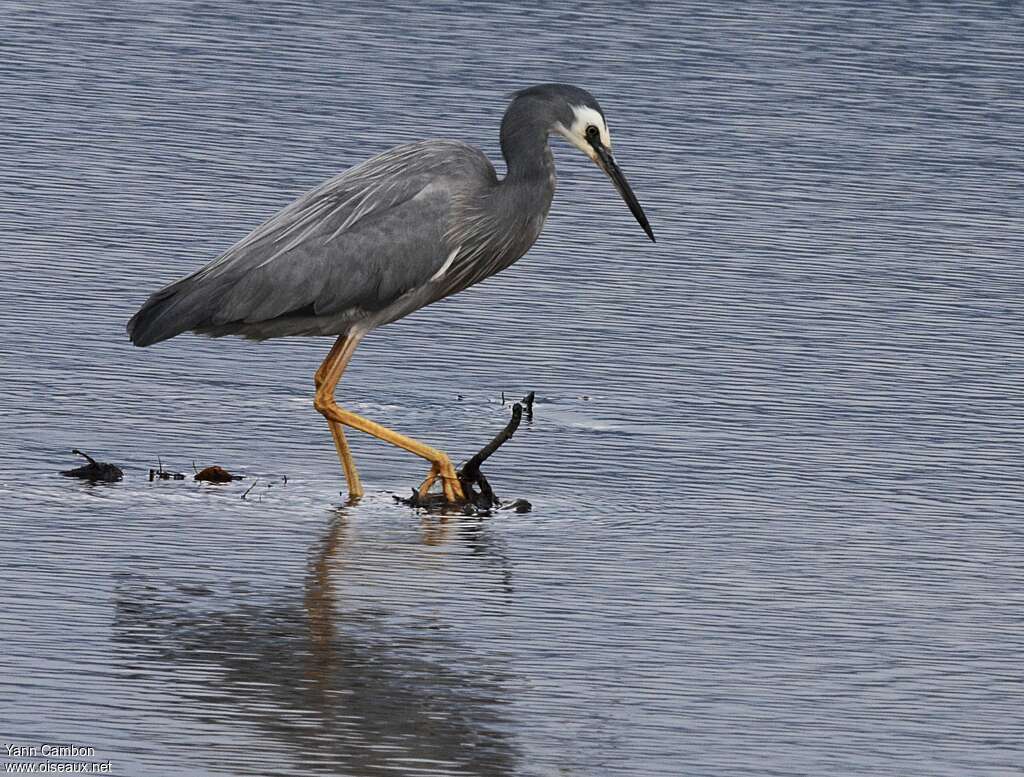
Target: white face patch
x,y
584,117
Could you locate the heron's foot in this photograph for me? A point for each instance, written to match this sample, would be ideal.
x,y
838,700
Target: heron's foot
x,y
451,486
424,488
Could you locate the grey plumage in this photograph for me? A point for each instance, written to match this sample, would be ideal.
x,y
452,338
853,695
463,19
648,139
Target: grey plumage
x,y
406,228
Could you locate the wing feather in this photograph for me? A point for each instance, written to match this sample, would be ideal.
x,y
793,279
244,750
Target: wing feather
x,y
357,242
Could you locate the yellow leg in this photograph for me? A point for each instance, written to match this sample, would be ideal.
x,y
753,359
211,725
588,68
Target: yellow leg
x,y
355,487
327,378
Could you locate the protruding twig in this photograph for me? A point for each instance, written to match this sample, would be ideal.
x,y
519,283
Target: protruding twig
x,y
250,488
161,474
472,467
87,456
528,405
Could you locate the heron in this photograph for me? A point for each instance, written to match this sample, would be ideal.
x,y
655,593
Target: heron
x,y
406,228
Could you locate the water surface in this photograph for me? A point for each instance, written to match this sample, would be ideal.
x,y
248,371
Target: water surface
x,y
775,460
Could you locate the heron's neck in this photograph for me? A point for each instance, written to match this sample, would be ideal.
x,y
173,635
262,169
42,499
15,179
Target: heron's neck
x,y
526,192
524,144
533,165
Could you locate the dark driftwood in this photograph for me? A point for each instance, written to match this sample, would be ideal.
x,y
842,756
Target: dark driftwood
x,y
94,470
471,469
470,474
479,494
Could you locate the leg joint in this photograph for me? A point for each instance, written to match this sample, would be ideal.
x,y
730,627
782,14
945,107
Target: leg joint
x,y
323,403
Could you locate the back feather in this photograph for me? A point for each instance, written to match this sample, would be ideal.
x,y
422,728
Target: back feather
x,y
345,249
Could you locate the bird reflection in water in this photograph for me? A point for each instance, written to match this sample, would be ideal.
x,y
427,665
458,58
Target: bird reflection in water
x,y
359,676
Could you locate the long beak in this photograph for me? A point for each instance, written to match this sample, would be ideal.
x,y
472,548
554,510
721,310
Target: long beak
x,y
606,162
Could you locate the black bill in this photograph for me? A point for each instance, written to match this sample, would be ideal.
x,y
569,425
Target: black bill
x,y
606,162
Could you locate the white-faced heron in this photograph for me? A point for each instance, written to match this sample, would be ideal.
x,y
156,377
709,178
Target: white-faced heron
x,y
401,230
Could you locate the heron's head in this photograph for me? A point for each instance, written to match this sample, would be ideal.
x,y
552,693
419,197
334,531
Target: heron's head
x,y
576,115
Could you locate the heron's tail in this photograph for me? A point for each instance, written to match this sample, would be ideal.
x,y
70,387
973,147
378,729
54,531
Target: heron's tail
x,y
172,310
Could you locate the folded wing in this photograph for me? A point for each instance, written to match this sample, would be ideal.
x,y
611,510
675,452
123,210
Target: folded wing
x,y
348,248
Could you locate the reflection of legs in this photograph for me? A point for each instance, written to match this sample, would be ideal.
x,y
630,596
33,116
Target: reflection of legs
x,y
327,378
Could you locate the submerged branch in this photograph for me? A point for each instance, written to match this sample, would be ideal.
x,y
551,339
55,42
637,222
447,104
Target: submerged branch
x,y
94,470
476,488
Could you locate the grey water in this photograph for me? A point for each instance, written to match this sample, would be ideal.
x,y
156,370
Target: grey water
x,y
775,460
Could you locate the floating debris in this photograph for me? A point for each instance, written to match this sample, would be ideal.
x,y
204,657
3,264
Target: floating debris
x,y
215,474
480,497
162,474
95,470
518,506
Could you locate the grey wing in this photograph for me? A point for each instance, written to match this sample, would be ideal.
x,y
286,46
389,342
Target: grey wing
x,y
346,249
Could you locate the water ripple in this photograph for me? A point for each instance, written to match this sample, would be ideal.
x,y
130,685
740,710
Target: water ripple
x,y
774,461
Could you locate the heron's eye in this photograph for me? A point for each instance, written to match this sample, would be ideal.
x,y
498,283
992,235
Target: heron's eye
x,y
593,133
